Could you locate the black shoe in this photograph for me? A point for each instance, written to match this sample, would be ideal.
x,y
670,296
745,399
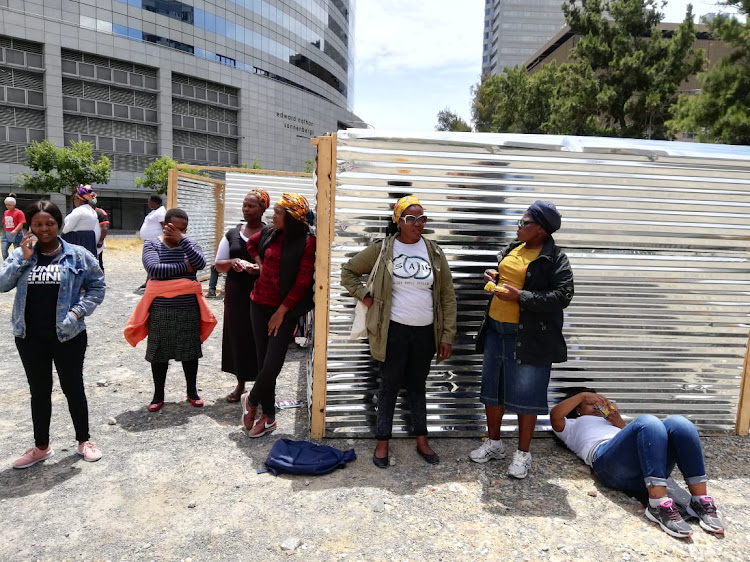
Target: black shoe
x,y
380,462
431,459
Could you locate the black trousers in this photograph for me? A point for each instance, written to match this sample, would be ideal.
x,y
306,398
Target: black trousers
x,y
271,352
38,352
408,355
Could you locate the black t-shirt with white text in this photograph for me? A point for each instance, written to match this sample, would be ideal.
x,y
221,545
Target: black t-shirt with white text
x,y
41,296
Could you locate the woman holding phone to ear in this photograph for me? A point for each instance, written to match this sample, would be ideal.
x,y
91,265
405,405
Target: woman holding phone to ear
x,y
410,316
57,285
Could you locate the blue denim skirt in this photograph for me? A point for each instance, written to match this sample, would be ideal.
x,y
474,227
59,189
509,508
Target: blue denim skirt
x,y
521,388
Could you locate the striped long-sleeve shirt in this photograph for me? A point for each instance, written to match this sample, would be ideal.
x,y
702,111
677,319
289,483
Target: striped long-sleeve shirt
x,y
163,263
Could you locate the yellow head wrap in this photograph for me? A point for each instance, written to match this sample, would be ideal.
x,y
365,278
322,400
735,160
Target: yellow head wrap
x,y
296,205
402,204
262,196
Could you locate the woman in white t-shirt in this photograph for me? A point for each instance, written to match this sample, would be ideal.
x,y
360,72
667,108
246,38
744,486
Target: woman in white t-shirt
x,y
411,315
639,455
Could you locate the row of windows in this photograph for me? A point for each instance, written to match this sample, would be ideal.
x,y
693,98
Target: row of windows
x,y
202,140
203,19
21,58
109,128
205,125
21,96
203,156
109,144
206,111
107,74
20,135
94,91
106,109
117,64
298,60
206,94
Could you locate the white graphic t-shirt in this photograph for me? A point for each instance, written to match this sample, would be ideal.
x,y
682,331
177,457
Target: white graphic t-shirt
x,y
412,284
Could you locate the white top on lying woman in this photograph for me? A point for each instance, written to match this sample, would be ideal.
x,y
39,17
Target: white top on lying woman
x,y
639,455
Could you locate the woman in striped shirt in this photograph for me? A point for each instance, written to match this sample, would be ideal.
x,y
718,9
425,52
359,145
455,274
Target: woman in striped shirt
x,y
174,320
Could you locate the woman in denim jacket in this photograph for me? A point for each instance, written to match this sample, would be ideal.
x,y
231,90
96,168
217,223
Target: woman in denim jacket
x,y
57,284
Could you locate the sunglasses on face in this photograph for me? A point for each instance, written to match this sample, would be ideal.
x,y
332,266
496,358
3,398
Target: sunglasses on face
x,y
524,223
411,220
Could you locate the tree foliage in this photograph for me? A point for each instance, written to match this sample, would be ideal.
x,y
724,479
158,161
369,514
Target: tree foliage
x,y
156,174
622,80
449,121
61,170
721,112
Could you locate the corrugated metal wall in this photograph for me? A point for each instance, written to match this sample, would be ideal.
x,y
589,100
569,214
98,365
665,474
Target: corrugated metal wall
x,y
657,234
197,199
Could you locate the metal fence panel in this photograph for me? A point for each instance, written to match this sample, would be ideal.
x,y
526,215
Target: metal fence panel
x,y
197,199
656,233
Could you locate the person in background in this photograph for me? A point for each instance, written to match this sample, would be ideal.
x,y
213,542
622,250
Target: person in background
x,y
213,281
172,312
521,333
285,254
238,355
638,456
152,226
57,285
13,219
101,215
81,224
411,314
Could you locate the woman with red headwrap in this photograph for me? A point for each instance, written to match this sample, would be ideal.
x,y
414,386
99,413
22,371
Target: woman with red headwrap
x,y
81,225
237,345
285,254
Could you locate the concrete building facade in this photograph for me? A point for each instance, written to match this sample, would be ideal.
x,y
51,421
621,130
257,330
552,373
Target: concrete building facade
x,y
217,82
515,29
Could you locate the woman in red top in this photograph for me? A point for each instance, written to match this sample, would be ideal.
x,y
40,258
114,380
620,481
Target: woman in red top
x,y
285,253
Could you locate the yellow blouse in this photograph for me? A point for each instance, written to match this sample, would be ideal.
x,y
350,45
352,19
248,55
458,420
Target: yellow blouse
x,y
512,271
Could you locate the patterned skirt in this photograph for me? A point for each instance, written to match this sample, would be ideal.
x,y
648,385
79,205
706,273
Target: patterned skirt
x,y
173,333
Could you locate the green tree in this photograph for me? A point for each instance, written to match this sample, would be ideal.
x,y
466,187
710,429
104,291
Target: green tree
x,y
721,112
638,69
156,174
61,170
449,121
509,103
254,166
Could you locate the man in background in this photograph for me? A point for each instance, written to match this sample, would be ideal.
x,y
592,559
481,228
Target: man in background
x,y
152,225
101,214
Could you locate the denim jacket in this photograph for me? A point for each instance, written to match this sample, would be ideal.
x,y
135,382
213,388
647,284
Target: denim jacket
x,y
81,289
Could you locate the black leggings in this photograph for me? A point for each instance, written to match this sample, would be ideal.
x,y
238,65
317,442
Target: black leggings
x,y
38,352
159,372
271,352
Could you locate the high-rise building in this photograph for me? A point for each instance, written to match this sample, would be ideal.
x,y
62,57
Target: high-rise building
x,y
515,29
216,82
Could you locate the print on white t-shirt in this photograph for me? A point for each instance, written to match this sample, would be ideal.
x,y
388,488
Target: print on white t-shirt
x,y
412,284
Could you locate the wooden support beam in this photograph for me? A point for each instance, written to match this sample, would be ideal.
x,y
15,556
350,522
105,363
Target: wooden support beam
x,y
172,188
743,405
326,188
242,170
220,191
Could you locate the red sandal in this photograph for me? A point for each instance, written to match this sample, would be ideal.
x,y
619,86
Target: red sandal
x,y
197,403
155,407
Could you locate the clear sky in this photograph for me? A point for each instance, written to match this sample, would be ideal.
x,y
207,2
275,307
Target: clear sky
x,y
416,57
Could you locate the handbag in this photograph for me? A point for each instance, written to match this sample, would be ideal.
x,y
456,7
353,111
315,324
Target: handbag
x,y
359,324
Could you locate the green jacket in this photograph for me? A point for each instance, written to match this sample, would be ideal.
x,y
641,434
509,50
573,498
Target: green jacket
x,y
379,314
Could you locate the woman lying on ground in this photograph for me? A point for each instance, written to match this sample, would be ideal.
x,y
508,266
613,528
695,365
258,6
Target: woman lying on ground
x,y
641,454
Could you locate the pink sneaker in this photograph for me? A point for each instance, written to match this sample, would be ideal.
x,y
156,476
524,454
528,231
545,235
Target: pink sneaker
x,y
262,426
89,451
33,456
248,412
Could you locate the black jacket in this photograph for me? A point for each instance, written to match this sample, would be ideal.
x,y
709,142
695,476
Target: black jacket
x,y
547,290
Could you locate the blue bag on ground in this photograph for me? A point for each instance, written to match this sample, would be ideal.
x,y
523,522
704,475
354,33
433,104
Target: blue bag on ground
x,y
303,457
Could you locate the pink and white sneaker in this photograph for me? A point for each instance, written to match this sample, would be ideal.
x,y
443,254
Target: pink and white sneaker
x,y
89,451
33,456
262,426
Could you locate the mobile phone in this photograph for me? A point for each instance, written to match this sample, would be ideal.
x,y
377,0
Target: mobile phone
x,y
604,409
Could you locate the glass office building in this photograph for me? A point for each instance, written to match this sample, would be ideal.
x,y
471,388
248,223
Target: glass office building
x,y
515,29
220,82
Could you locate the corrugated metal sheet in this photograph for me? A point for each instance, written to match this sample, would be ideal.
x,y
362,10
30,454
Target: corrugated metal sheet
x,y
196,198
238,184
657,233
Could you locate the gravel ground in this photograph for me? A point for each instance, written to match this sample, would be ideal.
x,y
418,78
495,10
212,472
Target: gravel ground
x,y
182,484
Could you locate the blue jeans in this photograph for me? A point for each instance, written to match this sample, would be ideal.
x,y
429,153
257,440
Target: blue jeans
x,y
9,239
646,451
521,388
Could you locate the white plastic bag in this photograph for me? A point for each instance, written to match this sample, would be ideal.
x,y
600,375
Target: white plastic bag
x,y
359,324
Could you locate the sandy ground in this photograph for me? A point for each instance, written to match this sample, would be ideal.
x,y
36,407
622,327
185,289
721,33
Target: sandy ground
x,y
182,484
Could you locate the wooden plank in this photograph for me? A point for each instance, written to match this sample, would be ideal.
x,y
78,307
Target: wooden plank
x,y
325,159
172,188
220,190
743,405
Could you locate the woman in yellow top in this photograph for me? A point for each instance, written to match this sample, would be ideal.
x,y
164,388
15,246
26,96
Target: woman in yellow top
x,y
521,335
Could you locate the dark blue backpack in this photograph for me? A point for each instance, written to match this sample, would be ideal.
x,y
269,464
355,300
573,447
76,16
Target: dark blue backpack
x,y
303,457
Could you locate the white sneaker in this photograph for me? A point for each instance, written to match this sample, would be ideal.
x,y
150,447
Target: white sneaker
x,y
519,468
487,451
